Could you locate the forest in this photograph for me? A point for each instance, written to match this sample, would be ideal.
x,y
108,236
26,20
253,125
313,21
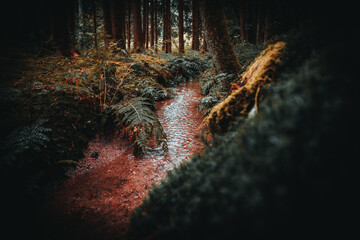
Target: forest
x,y
178,119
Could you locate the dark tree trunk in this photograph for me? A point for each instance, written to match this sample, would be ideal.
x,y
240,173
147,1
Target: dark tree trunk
x,y
260,23
117,22
107,20
47,21
181,25
167,27
204,44
124,23
251,10
155,25
195,25
163,8
95,28
62,13
151,23
243,24
129,26
146,23
205,48
268,21
138,40
218,38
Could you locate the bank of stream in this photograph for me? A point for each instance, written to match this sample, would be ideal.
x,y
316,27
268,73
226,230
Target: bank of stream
x,y
109,182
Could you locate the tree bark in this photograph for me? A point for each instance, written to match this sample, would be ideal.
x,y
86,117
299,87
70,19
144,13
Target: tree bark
x,y
95,28
167,26
62,12
138,36
129,26
268,20
181,25
155,25
218,38
107,20
151,23
117,22
146,23
260,23
205,47
251,14
195,25
243,24
164,24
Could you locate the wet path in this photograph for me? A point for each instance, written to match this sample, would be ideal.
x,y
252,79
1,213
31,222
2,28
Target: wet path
x,y
180,119
101,194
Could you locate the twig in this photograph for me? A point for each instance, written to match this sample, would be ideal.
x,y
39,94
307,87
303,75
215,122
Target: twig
x,y
256,98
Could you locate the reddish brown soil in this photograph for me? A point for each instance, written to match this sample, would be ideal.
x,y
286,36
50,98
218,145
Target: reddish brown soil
x,y
100,195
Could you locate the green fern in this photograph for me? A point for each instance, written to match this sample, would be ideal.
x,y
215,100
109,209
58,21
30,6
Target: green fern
x,y
28,138
137,115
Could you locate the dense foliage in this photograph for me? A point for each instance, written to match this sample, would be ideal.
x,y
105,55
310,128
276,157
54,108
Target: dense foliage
x,y
266,179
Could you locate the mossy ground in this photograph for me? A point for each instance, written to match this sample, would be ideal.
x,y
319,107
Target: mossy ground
x,y
287,172
69,96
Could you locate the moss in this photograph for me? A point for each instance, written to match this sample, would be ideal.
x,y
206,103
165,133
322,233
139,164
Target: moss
x,y
246,90
287,172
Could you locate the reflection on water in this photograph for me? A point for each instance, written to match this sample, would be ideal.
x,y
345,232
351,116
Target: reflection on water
x,y
180,119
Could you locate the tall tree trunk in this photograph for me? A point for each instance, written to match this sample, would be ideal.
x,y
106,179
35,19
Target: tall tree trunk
x,y
151,23
107,21
243,24
163,8
129,26
80,16
138,36
218,38
268,20
117,22
166,23
195,25
168,27
146,23
124,24
155,25
260,23
95,28
181,25
205,47
251,20
62,12
204,44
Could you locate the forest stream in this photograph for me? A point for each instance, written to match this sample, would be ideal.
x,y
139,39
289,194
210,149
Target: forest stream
x,y
109,182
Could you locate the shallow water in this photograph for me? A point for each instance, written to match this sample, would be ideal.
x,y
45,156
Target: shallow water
x,y
180,119
102,192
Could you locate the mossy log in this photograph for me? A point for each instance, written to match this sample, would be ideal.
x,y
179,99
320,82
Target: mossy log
x,y
245,93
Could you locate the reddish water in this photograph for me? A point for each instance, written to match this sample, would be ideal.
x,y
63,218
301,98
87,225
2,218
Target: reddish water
x,y
101,194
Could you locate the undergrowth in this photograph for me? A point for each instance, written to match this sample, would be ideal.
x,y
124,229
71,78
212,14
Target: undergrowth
x,y
52,106
138,117
211,83
287,172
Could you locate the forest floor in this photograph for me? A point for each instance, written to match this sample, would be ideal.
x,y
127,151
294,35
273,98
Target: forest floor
x,y
99,197
58,110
